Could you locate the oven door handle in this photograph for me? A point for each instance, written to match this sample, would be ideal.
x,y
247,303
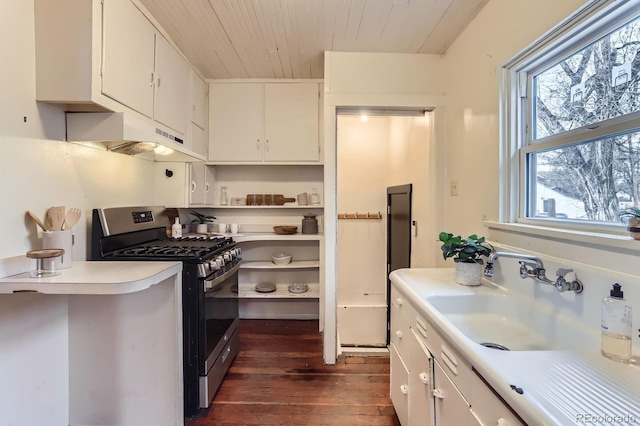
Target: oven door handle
x,y
212,285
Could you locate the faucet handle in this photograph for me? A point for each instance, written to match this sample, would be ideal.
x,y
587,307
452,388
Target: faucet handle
x,y
561,272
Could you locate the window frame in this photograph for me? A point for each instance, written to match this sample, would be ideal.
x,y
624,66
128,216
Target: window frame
x,y
586,25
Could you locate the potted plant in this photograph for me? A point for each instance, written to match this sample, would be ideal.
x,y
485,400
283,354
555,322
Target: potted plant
x,y
467,253
202,220
631,217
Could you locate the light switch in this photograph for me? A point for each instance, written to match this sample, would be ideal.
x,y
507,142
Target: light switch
x,y
454,187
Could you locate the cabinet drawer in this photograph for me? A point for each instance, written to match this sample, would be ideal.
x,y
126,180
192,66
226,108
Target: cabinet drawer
x,y
400,304
488,407
453,364
400,331
399,379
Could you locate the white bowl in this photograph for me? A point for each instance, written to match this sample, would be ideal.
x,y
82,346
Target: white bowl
x,y
281,259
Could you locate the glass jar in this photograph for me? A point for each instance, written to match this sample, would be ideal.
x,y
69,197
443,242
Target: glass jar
x,y
223,196
315,197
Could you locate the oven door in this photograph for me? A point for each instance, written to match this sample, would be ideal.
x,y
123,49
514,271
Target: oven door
x,y
219,317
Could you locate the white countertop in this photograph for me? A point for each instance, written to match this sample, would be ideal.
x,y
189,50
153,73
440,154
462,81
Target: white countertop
x,y
560,387
100,277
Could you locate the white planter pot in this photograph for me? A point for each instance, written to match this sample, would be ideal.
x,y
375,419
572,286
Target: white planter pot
x,y
202,228
469,274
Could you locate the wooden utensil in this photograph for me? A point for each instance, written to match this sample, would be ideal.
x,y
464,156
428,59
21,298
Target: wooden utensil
x,y
37,220
55,218
71,218
268,199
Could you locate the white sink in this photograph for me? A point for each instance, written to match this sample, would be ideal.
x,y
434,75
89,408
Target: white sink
x,y
513,322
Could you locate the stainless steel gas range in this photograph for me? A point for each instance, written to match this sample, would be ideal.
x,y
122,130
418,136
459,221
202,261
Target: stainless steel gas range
x,y
209,282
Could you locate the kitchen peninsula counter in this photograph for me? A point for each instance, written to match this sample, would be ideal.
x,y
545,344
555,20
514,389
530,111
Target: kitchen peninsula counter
x,y
101,343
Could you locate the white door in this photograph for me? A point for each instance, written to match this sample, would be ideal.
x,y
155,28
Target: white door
x,y
171,105
128,56
235,122
291,122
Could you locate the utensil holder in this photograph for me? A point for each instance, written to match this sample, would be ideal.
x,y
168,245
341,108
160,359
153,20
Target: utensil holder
x,y
60,240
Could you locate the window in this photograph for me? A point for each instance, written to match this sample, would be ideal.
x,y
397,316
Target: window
x,y
575,106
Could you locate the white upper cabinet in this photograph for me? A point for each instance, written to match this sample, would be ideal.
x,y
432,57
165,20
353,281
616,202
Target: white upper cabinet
x,y
198,114
105,55
199,105
128,51
236,122
264,122
171,101
291,122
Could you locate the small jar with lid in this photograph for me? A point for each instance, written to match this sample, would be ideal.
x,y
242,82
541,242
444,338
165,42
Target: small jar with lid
x,y
45,262
309,224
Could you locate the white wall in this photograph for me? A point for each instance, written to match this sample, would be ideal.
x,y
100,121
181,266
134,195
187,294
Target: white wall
x,y
39,170
364,79
472,66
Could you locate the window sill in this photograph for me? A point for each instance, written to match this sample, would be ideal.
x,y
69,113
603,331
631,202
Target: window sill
x,y
596,240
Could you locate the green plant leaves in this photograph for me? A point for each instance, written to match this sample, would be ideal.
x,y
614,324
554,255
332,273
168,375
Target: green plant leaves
x,y
468,250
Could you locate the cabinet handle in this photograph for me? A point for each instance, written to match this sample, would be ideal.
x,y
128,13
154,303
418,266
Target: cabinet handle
x,y
193,186
404,389
424,378
152,79
267,145
158,82
503,422
399,301
438,393
258,145
206,187
399,334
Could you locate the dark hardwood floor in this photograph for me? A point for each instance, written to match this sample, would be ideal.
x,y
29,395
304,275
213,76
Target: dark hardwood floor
x,y
279,378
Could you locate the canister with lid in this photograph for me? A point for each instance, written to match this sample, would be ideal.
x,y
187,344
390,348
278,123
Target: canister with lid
x,y
309,224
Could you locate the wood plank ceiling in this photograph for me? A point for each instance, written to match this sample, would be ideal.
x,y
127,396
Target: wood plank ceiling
x,y
287,38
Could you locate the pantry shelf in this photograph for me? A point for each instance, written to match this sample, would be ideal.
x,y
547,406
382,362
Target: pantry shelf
x,y
247,291
299,264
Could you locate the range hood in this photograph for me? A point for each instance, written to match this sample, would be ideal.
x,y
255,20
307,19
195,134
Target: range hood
x,y
128,134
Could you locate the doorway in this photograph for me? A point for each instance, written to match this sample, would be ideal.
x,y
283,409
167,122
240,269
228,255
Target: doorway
x,y
373,153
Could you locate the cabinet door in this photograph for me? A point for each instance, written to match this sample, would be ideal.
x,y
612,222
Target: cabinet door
x,y
450,406
420,383
199,105
128,56
200,183
236,121
399,379
197,139
291,122
171,105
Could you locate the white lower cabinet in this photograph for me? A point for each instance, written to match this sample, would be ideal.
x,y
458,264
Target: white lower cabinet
x,y
450,406
431,383
489,408
420,382
399,378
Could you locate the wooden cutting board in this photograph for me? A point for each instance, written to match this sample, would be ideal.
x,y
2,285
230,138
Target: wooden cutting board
x,y
265,199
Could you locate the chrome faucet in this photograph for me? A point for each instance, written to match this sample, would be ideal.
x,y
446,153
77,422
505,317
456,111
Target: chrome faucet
x,y
532,267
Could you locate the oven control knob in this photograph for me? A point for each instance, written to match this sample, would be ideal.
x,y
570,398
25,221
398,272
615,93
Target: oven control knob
x,y
227,257
220,261
213,265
